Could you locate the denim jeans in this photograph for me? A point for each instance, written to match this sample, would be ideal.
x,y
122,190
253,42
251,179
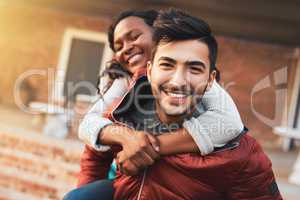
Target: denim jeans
x,y
98,190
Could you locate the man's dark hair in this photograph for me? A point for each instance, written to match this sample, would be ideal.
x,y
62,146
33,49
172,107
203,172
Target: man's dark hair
x,y
148,16
176,25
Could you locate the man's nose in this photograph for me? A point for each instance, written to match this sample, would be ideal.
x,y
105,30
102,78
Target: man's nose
x,y
178,78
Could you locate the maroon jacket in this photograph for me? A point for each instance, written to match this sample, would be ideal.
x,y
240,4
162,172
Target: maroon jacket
x,y
242,173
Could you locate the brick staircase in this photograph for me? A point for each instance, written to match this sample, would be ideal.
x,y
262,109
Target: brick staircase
x,y
36,167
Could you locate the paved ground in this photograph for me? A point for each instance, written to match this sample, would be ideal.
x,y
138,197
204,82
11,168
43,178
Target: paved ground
x,y
283,165
289,191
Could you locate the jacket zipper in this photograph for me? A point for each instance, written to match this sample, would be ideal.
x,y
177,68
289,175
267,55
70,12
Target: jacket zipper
x,y
112,115
142,184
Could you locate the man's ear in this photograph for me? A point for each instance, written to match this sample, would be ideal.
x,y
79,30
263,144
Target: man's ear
x,y
149,68
211,79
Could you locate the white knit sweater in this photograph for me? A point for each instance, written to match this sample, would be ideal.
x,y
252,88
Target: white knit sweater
x,y
219,120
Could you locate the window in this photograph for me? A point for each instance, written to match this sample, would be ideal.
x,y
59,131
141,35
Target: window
x,y
291,129
83,56
294,110
296,124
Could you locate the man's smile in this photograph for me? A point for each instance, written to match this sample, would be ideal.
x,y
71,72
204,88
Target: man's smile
x,y
177,97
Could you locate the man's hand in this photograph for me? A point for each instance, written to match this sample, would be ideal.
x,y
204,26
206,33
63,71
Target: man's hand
x,y
139,151
126,167
139,148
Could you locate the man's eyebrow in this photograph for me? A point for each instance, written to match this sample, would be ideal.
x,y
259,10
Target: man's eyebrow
x,y
196,62
168,59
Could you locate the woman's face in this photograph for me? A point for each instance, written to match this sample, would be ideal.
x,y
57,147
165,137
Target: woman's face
x,y
133,43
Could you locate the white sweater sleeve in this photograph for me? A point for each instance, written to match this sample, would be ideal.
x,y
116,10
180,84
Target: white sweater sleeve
x,y
219,120
93,121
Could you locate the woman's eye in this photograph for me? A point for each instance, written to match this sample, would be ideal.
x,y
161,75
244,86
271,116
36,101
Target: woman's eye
x,y
118,47
135,36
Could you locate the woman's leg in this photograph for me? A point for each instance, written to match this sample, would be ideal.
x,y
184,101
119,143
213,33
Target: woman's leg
x,y
102,189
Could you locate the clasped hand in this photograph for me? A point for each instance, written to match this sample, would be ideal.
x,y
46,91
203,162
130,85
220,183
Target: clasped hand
x,y
139,151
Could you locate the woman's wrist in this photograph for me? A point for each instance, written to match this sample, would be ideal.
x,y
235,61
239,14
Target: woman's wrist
x,y
114,134
176,142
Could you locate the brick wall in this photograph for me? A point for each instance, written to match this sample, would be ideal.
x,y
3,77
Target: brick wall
x,y
30,38
245,63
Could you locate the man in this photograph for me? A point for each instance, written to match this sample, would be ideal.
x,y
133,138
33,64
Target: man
x,y
181,70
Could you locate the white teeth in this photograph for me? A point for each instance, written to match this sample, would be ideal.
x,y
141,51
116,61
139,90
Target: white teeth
x,y
176,95
134,58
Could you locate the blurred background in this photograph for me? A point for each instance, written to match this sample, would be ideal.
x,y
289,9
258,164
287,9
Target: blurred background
x,y
51,52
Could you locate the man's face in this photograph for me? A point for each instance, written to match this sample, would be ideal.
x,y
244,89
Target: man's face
x,y
179,75
133,43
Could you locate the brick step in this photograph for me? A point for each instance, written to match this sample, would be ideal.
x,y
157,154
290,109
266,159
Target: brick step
x,y
35,166
11,194
32,184
43,166
68,151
